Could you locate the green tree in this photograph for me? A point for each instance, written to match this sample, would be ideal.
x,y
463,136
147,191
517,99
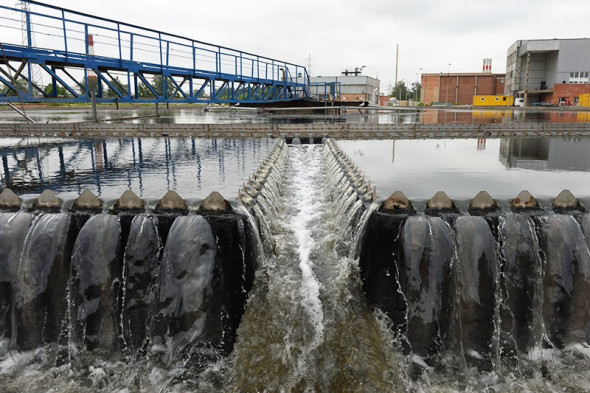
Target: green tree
x,y
416,90
400,91
21,85
157,85
143,91
92,84
226,95
61,91
118,85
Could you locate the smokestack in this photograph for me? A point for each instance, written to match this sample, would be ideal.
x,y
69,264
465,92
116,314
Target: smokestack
x,y
90,40
487,66
90,45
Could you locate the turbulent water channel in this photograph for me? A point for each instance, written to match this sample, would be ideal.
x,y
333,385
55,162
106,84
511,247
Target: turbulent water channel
x,y
307,326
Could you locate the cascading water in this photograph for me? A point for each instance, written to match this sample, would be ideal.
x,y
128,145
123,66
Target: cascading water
x,y
133,301
39,308
498,301
13,233
307,326
150,301
96,284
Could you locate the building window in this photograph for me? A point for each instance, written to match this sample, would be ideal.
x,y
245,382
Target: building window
x,y
579,77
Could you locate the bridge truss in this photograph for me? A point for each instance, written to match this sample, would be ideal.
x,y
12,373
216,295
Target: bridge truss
x,y
84,55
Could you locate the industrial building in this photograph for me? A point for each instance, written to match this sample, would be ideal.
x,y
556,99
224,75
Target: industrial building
x,y
350,86
546,154
550,72
459,88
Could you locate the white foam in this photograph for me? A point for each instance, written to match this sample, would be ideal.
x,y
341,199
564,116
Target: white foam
x,y
306,163
17,359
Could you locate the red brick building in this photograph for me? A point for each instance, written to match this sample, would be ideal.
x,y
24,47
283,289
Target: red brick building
x,y
454,88
567,93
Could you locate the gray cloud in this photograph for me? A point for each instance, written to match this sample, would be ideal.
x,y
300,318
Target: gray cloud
x,y
349,33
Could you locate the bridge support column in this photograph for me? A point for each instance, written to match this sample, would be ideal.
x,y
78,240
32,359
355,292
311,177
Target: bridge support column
x,y
94,111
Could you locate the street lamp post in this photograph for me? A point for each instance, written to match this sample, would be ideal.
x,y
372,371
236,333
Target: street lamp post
x,y
416,90
378,88
358,71
376,72
420,81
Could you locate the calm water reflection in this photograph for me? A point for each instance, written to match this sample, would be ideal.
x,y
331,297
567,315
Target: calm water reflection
x,y
463,167
224,114
148,166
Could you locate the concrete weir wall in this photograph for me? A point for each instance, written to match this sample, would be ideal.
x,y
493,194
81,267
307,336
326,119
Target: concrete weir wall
x,y
126,277
487,283
342,167
313,130
260,195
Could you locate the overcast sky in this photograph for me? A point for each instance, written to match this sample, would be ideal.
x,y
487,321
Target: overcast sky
x,y
347,34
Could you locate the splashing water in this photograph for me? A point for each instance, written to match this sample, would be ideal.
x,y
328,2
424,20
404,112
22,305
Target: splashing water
x,y
307,326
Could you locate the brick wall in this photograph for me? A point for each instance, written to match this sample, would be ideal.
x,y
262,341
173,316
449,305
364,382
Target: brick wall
x,y
430,89
500,83
460,88
569,91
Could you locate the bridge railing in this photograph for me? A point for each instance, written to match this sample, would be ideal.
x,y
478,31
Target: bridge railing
x,y
325,91
70,32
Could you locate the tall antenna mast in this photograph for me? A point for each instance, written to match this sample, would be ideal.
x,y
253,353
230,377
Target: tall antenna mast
x,y
34,70
308,64
396,62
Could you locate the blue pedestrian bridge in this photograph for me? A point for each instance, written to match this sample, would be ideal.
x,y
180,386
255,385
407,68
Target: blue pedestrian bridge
x,y
52,54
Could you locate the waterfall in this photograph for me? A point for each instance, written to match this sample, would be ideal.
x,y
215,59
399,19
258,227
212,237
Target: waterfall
x,y
13,232
423,278
39,306
186,282
141,262
306,284
94,291
96,282
307,326
566,281
475,278
522,271
495,289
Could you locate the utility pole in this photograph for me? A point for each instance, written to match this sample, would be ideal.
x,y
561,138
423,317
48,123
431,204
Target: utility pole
x,y
396,64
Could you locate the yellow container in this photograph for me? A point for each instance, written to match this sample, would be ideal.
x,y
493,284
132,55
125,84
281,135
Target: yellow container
x,y
584,100
490,100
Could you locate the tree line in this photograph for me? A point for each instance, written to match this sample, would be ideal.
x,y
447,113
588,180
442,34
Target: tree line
x,y
401,91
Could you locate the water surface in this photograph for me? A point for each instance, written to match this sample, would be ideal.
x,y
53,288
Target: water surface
x,y
464,167
148,166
